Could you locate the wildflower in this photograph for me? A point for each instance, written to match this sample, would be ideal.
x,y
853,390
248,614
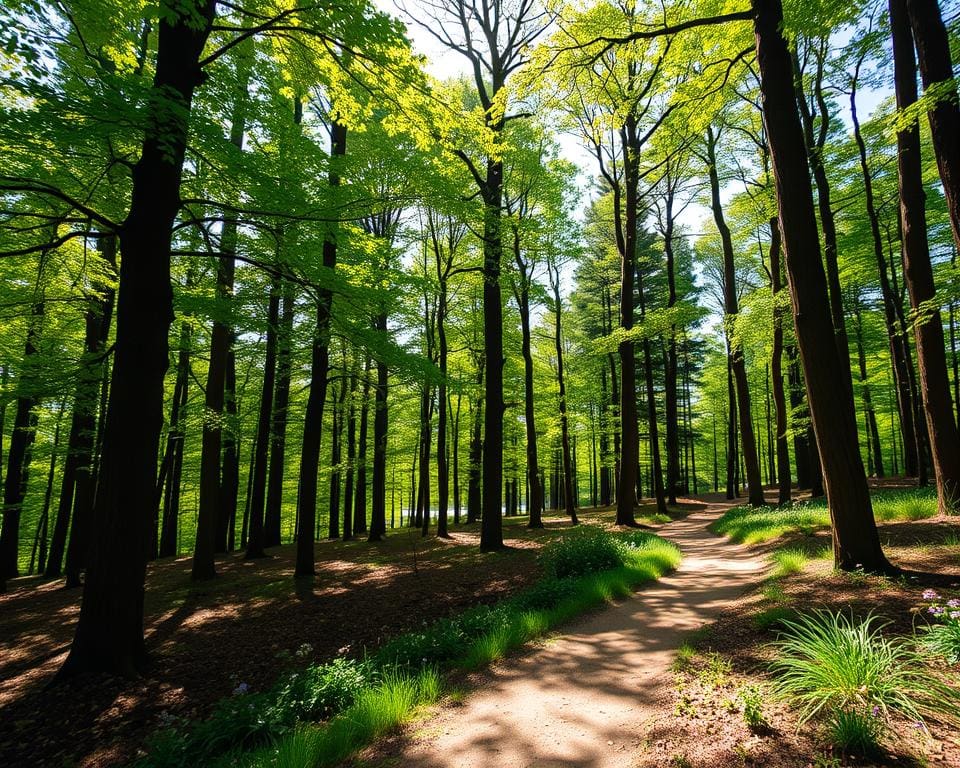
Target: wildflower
x,y
241,689
304,650
953,603
935,610
955,614
929,594
875,711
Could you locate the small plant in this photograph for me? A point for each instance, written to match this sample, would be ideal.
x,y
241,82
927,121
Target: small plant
x,y
856,731
751,703
715,672
788,561
773,616
680,761
942,637
684,658
828,663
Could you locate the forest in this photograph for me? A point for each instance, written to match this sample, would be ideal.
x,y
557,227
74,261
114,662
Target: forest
x,y
348,348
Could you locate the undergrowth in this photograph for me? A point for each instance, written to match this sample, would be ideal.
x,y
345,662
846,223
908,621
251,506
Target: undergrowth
x,y
319,715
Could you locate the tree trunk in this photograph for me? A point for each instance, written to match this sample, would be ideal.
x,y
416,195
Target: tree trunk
x,y
936,73
175,439
855,539
360,494
109,634
319,368
944,439
351,458
873,433
730,305
278,422
256,535
336,457
570,500
776,369
443,464
378,510
474,491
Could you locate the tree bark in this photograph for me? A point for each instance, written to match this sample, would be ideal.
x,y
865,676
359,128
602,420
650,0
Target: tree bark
x,y
944,438
855,539
319,369
278,421
776,369
109,634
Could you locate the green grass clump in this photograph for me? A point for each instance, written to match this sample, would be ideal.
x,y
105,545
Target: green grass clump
x,y
829,663
774,616
749,525
855,731
788,561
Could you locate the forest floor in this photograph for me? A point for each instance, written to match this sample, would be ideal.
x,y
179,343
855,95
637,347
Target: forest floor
x,y
242,627
608,690
611,690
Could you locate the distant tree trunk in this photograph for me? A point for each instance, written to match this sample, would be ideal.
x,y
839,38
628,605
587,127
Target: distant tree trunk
x,y
656,470
731,309
230,471
733,461
529,413
670,373
336,457
456,462
319,369
75,487
21,439
898,354
378,511
606,495
426,433
855,538
873,433
351,458
944,439
256,539
360,505
175,438
40,537
109,634
570,500
776,369
443,468
278,422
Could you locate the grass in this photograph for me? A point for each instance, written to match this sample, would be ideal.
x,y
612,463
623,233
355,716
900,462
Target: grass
x,y
788,561
828,663
748,525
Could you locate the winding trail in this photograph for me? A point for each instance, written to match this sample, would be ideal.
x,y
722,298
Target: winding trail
x,y
592,696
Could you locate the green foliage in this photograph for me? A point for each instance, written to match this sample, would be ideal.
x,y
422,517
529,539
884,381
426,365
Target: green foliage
x,y
856,731
751,704
586,550
828,663
942,635
788,561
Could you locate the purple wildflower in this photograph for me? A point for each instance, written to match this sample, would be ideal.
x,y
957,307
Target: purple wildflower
x,y
929,594
935,610
953,603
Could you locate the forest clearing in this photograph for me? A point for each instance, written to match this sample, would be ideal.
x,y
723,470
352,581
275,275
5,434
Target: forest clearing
x,y
479,382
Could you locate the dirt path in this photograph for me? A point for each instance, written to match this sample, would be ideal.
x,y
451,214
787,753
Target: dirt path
x,y
593,696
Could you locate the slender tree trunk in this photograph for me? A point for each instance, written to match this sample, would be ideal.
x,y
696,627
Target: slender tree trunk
x,y
319,369
474,490
856,542
529,415
21,440
443,464
40,538
378,508
670,373
273,515
873,433
456,462
568,495
733,462
256,537
898,354
776,369
75,487
731,308
351,458
944,439
360,494
175,439
336,457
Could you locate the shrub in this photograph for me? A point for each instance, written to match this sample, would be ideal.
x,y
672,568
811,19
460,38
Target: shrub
x,y
829,663
587,550
319,691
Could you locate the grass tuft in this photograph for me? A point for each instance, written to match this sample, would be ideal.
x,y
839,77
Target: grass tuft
x,y
788,561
